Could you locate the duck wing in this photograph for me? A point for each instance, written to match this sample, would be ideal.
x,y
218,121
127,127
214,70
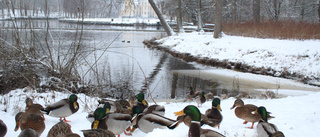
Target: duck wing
x,y
56,105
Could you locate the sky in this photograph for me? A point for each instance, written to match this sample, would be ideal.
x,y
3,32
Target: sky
x,y
296,114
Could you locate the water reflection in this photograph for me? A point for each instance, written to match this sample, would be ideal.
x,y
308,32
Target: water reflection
x,y
119,63
56,24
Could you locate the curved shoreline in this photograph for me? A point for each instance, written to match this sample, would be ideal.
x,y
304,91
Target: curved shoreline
x,y
237,66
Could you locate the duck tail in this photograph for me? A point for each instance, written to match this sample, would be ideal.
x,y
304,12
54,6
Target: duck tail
x,y
269,116
277,134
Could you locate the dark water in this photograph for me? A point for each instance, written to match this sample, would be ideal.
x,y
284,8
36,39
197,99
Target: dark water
x,y
118,61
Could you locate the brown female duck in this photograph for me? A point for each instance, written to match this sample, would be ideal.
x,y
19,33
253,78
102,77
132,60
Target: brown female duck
x,y
28,133
33,121
60,129
3,129
246,112
33,108
97,133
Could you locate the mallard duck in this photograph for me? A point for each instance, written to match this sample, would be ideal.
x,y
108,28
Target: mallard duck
x,y
141,102
200,99
97,133
3,128
214,116
63,108
195,129
146,122
28,133
114,122
33,108
117,106
60,129
245,112
187,120
264,128
157,109
71,135
106,106
191,93
33,121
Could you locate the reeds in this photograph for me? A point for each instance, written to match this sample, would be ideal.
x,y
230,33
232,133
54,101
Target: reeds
x,y
272,29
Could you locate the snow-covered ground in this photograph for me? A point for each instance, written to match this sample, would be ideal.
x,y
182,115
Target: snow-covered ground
x,y
299,56
297,114
294,115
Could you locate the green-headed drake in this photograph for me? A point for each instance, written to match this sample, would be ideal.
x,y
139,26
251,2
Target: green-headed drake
x,y
60,129
213,115
63,108
26,121
148,121
97,133
246,112
28,133
141,102
3,128
114,122
264,128
107,108
195,127
33,108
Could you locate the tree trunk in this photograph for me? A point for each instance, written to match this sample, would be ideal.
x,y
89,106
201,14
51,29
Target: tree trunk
x,y
199,16
218,19
319,11
174,85
256,10
234,12
276,8
302,12
164,23
179,18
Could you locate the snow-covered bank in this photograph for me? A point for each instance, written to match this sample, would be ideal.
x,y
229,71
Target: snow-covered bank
x,y
295,115
294,56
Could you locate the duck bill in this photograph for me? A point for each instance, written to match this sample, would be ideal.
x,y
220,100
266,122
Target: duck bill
x,y
17,126
144,102
108,111
233,106
219,108
75,105
179,113
95,124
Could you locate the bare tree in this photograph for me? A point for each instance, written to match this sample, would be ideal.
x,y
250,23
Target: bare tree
x,y
199,16
179,17
164,23
218,19
276,9
234,12
319,11
256,10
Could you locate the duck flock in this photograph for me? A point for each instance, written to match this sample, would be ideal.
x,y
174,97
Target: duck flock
x,y
114,117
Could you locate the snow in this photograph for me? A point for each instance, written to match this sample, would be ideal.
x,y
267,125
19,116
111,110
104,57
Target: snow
x,y
300,56
297,114
294,115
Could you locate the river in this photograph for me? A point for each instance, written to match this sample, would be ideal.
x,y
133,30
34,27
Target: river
x,y
115,58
